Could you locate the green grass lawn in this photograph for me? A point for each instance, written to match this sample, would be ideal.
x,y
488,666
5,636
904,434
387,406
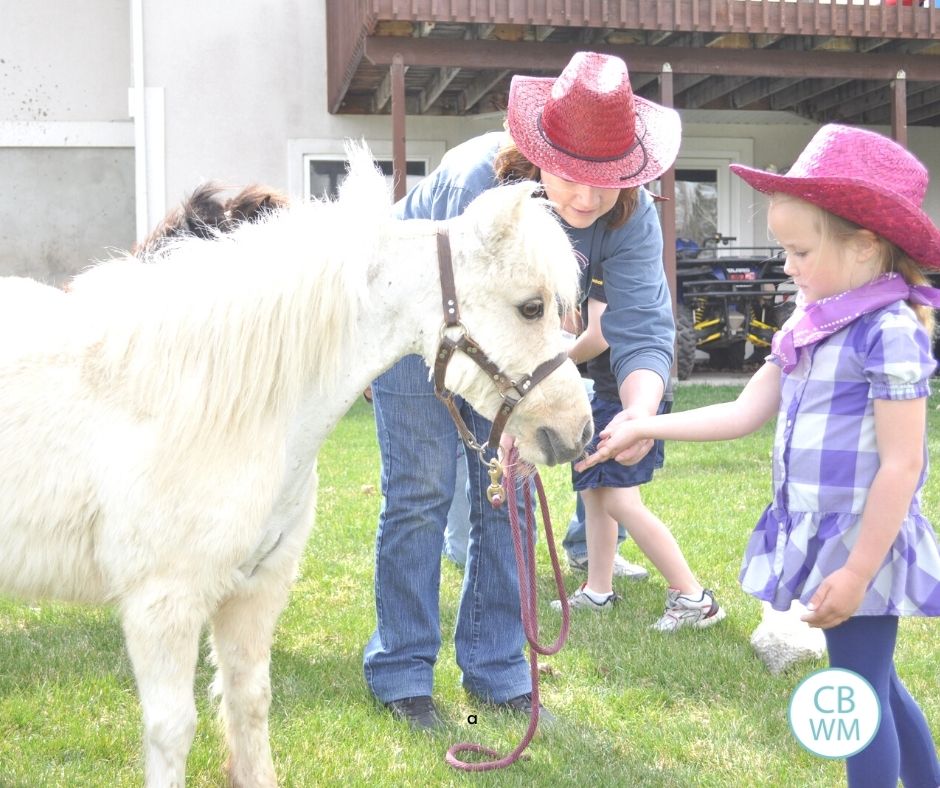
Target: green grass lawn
x,y
636,708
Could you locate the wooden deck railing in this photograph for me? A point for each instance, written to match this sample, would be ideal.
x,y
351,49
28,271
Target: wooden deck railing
x,y
787,17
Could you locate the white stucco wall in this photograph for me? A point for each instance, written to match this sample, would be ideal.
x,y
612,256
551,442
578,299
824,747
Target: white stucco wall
x,y
779,143
64,61
236,93
242,80
63,208
66,155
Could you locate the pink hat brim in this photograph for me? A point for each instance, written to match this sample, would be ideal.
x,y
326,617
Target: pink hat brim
x,y
659,129
887,214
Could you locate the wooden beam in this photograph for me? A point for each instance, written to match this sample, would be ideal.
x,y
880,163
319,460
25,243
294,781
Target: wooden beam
x,y
477,89
922,107
524,56
747,91
347,28
899,108
543,31
924,113
761,89
804,90
438,85
711,90
851,99
399,159
804,17
922,104
801,90
668,189
383,92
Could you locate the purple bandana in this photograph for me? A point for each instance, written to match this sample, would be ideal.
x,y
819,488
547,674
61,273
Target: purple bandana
x,y
813,322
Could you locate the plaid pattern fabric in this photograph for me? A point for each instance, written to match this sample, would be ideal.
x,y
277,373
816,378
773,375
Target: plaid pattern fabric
x,y
825,459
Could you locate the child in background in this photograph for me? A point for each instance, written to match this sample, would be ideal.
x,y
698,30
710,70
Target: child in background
x,y
611,495
848,376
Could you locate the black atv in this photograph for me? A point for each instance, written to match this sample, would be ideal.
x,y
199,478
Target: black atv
x,y
728,296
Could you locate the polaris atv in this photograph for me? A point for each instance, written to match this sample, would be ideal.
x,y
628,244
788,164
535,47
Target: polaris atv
x,y
728,296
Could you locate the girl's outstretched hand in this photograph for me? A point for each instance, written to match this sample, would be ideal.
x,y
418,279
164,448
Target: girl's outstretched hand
x,y
836,599
618,441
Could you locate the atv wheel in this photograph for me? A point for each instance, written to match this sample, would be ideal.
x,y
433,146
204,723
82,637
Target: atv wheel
x,y
685,342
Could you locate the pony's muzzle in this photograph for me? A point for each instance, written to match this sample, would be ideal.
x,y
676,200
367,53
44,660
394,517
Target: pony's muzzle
x,y
556,450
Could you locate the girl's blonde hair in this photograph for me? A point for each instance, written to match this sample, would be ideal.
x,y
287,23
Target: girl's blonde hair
x,y
511,165
892,258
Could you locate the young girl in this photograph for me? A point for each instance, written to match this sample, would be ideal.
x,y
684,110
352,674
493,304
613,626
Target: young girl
x,y
611,495
848,376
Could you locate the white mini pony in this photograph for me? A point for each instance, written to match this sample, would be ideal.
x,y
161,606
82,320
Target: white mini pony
x,y
159,424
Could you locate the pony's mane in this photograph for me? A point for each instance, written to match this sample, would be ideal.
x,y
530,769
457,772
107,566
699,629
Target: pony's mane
x,y
235,325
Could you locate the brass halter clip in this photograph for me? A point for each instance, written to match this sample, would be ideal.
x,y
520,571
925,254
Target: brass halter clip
x,y
495,492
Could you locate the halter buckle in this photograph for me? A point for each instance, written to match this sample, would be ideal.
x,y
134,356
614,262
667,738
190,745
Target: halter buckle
x,y
496,493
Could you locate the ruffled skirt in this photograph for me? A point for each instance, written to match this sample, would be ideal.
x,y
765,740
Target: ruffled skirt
x,y
790,554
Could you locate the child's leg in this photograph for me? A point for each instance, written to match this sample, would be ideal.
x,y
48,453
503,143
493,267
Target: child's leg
x,y
651,535
601,535
865,644
919,763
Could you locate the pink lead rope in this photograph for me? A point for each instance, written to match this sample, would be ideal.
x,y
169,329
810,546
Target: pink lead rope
x,y
525,568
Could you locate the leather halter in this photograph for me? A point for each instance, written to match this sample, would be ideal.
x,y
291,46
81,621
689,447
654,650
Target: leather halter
x,y
510,391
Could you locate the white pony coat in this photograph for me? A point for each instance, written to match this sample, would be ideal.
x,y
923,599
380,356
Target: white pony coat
x,y
159,424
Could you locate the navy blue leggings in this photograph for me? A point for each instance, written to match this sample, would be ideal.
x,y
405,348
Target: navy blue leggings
x,y
903,746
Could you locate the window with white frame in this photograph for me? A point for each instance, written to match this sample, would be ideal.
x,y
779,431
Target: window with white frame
x,y
316,167
696,204
322,176
708,199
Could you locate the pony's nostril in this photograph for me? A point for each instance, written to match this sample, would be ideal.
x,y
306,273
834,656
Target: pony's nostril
x,y
547,439
554,447
587,433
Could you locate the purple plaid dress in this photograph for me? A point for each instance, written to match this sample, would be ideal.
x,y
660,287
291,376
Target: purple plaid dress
x,y
824,461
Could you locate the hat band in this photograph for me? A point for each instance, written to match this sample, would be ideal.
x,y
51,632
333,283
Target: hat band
x,y
637,143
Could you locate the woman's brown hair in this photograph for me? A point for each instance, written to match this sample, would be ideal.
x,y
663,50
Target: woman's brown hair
x,y
511,165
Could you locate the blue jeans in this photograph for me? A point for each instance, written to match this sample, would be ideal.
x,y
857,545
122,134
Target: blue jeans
x,y
457,533
416,439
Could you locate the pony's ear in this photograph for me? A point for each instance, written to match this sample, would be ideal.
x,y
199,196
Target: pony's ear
x,y
497,213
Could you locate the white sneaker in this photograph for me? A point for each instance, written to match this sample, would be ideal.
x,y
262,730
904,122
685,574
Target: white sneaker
x,y
622,567
581,601
684,611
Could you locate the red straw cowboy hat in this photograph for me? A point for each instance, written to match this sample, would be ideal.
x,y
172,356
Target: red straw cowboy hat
x,y
586,126
863,177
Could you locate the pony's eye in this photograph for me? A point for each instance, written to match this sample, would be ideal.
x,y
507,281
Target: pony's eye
x,y
532,310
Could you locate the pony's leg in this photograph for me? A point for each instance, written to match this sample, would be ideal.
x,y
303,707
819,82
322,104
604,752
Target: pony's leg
x,y
162,634
242,631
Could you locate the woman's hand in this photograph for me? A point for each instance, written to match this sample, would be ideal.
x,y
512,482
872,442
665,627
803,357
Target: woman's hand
x,y
836,599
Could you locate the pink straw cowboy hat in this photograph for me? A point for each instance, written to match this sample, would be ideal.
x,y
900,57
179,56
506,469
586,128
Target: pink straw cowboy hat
x,y
587,127
863,177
